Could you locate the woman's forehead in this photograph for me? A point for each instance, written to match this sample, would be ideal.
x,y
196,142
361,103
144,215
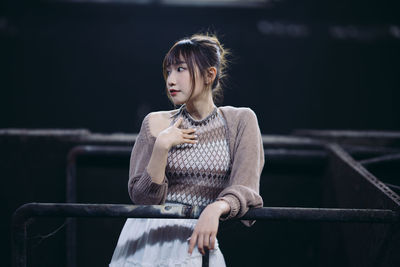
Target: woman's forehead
x,y
176,61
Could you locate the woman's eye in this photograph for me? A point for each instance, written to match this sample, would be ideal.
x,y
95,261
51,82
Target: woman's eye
x,y
180,69
168,72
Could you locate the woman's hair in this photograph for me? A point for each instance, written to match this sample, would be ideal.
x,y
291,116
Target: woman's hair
x,y
203,51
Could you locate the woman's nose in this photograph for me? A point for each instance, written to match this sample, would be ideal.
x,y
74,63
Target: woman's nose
x,y
171,80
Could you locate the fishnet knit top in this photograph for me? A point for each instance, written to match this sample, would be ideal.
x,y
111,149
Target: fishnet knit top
x,y
238,177
197,173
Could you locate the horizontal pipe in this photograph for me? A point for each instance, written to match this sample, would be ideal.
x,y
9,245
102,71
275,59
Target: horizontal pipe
x,y
30,210
272,153
23,213
324,215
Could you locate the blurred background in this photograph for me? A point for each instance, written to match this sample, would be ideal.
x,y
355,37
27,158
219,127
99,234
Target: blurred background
x,y
95,65
298,64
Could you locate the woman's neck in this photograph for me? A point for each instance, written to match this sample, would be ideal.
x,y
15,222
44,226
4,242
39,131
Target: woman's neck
x,y
201,108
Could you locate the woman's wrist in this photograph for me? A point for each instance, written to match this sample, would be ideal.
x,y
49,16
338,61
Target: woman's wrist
x,y
221,207
161,145
157,163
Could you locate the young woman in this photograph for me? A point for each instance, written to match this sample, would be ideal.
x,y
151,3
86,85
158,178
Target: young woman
x,y
195,155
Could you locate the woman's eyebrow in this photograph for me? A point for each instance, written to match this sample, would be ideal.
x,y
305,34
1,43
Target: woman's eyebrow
x,y
177,63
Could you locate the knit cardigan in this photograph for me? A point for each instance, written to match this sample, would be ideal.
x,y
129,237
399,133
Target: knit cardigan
x,y
247,157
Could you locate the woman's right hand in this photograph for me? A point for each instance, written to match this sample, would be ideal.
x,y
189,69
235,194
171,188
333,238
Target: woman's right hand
x,y
173,136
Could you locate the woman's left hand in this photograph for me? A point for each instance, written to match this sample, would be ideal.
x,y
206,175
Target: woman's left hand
x,y
206,229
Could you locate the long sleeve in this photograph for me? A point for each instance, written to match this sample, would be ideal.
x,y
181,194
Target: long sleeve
x,y
142,190
242,193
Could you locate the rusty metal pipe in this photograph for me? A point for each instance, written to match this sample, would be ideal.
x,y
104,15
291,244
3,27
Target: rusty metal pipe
x,y
24,213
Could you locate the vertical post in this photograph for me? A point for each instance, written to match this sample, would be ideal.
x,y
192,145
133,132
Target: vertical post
x,y
206,258
71,242
70,238
19,245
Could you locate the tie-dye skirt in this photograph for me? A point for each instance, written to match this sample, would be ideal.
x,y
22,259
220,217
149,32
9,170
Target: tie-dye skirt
x,y
159,243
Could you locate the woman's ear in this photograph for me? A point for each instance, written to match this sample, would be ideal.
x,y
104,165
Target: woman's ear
x,y
210,75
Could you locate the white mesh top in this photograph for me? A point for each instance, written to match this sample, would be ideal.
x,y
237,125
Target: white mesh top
x,y
197,173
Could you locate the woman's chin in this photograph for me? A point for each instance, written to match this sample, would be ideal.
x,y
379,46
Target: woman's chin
x,y
178,102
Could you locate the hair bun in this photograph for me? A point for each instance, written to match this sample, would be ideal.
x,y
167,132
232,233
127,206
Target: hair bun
x,y
203,50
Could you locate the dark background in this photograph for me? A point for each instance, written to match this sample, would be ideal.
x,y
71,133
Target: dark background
x,y
298,64
86,64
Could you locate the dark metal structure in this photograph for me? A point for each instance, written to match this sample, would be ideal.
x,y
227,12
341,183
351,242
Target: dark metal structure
x,y
71,187
32,210
356,207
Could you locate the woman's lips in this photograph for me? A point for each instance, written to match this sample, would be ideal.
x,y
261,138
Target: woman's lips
x,y
173,92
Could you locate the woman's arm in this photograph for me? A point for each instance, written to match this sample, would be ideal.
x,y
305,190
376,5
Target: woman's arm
x,y
242,192
166,139
248,162
206,228
147,181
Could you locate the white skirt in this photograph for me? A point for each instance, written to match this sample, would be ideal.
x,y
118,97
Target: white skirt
x,y
160,242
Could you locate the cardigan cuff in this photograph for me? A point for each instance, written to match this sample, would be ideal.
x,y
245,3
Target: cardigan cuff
x,y
150,188
234,204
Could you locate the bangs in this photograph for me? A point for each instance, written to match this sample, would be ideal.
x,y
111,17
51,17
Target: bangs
x,y
199,52
181,50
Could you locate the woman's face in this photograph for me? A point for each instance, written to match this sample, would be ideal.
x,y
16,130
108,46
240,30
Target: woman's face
x,y
179,84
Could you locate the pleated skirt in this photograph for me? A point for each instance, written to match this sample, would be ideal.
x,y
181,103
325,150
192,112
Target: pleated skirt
x,y
160,243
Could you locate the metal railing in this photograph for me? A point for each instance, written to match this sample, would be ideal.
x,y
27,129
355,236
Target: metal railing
x,y
294,153
31,210
304,157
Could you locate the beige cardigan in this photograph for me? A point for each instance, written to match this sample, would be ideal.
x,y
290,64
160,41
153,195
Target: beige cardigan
x,y
247,155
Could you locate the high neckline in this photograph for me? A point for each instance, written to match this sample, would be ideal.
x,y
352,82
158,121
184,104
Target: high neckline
x,y
197,122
